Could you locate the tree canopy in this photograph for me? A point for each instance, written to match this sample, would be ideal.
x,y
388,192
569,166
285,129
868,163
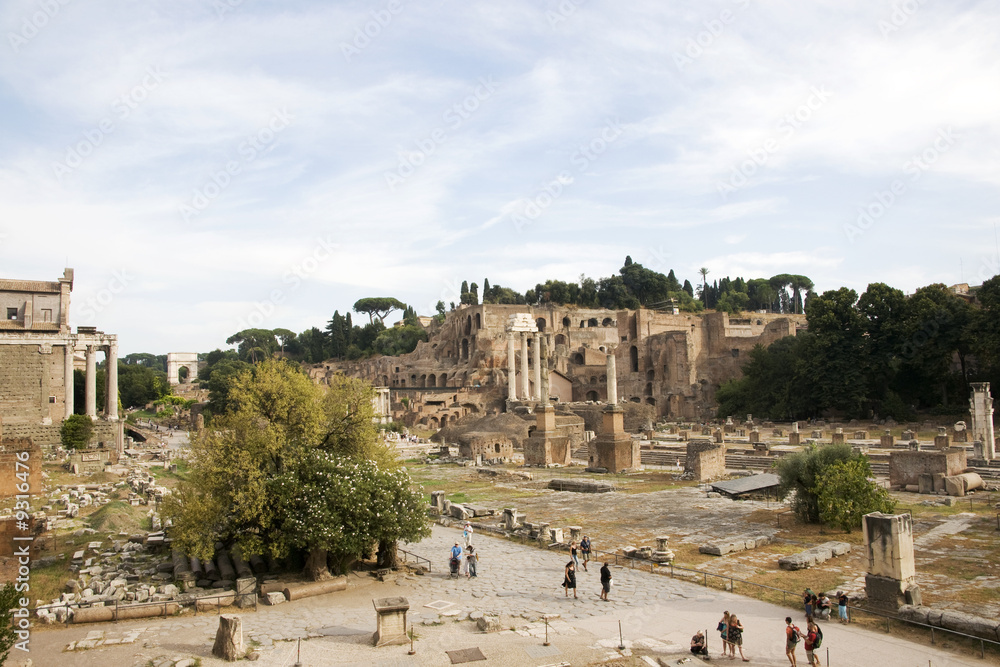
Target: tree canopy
x,y
378,306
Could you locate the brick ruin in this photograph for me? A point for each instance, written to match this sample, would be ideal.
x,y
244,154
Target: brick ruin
x,y
672,363
38,353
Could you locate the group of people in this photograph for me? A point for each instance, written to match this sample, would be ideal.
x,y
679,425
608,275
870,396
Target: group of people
x,y
730,629
813,637
464,561
569,574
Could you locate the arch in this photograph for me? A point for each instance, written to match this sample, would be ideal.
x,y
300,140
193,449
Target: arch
x,y
567,323
443,380
578,358
633,355
465,349
560,339
465,379
176,360
182,373
650,401
603,349
468,325
479,320
432,380
592,322
435,422
603,379
649,389
385,380
444,420
593,379
423,380
592,396
606,322
650,374
540,323
635,399
413,380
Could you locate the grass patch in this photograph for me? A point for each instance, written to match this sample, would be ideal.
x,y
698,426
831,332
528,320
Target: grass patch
x,y
117,516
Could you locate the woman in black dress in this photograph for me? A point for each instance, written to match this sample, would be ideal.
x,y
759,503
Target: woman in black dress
x,y
569,578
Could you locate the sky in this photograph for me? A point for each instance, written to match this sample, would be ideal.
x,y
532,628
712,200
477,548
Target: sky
x,y
207,166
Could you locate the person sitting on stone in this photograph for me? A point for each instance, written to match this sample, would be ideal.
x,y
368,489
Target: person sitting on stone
x,y
698,644
823,607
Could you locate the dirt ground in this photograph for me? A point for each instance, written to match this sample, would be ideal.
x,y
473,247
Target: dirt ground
x,y
957,550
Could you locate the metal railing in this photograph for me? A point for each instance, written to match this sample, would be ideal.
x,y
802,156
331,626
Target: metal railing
x,y
415,557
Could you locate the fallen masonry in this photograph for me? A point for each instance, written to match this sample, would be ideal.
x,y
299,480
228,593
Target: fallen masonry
x,y
581,485
733,545
814,556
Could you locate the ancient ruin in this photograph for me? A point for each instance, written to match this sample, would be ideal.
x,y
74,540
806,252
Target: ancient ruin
x,y
889,544
981,408
178,360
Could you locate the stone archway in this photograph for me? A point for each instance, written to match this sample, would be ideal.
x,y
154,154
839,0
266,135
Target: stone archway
x,y
178,360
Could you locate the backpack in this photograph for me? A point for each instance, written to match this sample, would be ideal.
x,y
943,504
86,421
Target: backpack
x,y
819,638
796,634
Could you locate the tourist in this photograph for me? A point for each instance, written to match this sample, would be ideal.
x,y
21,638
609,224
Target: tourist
x,y
572,553
792,635
813,637
456,559
842,606
698,645
467,534
585,550
723,629
605,581
735,638
471,558
823,607
569,578
808,597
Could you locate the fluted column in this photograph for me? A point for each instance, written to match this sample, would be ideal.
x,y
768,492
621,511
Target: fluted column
x,y
537,358
68,372
91,393
525,392
612,380
111,410
511,368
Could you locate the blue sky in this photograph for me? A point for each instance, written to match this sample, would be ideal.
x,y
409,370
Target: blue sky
x,y
206,166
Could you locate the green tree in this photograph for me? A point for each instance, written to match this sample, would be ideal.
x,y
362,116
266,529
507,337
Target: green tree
x,y
800,474
845,492
224,373
254,345
9,601
378,307
704,285
139,385
336,508
76,432
399,340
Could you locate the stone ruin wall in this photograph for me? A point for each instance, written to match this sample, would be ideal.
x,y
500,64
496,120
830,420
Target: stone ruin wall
x,y
677,363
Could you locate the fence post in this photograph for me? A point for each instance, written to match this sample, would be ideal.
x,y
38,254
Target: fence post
x,y
706,579
932,634
887,624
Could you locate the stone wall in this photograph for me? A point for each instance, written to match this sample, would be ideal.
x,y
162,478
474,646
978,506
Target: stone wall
x,y
905,467
9,469
705,460
32,386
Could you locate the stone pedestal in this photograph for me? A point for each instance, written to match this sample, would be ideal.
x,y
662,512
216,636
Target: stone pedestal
x,y
575,533
838,437
246,592
705,460
718,436
908,435
794,438
981,409
886,440
437,501
614,449
891,570
391,621
546,446
754,436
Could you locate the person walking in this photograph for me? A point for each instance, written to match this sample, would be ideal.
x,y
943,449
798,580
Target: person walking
x,y
792,635
605,581
467,534
735,636
471,558
585,551
842,606
813,638
723,629
808,597
456,559
573,555
569,578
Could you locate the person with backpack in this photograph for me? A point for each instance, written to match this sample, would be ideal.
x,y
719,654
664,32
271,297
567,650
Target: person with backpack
x,y
735,636
585,550
814,638
792,635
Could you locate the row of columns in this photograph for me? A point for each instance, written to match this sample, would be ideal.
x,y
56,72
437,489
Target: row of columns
x,y
526,393
90,391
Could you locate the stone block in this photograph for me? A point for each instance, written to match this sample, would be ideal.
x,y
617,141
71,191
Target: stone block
x,y
229,638
489,624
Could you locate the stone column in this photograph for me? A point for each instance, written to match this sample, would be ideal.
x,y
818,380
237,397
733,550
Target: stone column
x,y
68,372
91,393
545,370
511,368
981,405
111,361
525,390
612,380
537,358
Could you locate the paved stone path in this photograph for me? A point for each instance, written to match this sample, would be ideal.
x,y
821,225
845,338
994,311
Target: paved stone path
x,y
658,615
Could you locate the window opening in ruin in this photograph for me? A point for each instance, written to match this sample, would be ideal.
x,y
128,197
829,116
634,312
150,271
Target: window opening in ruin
x,y
633,354
52,399
650,401
635,399
591,395
497,446
12,313
735,352
560,339
650,374
540,323
479,320
566,322
606,322
578,358
649,389
592,322
465,349
604,378
593,379
468,325
583,323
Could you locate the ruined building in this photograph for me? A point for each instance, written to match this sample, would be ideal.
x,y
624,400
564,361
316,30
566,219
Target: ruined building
x,y
671,362
37,355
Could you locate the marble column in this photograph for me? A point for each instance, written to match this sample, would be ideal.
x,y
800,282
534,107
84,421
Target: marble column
x,y
111,362
511,368
68,372
537,359
525,389
612,380
91,394
543,342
